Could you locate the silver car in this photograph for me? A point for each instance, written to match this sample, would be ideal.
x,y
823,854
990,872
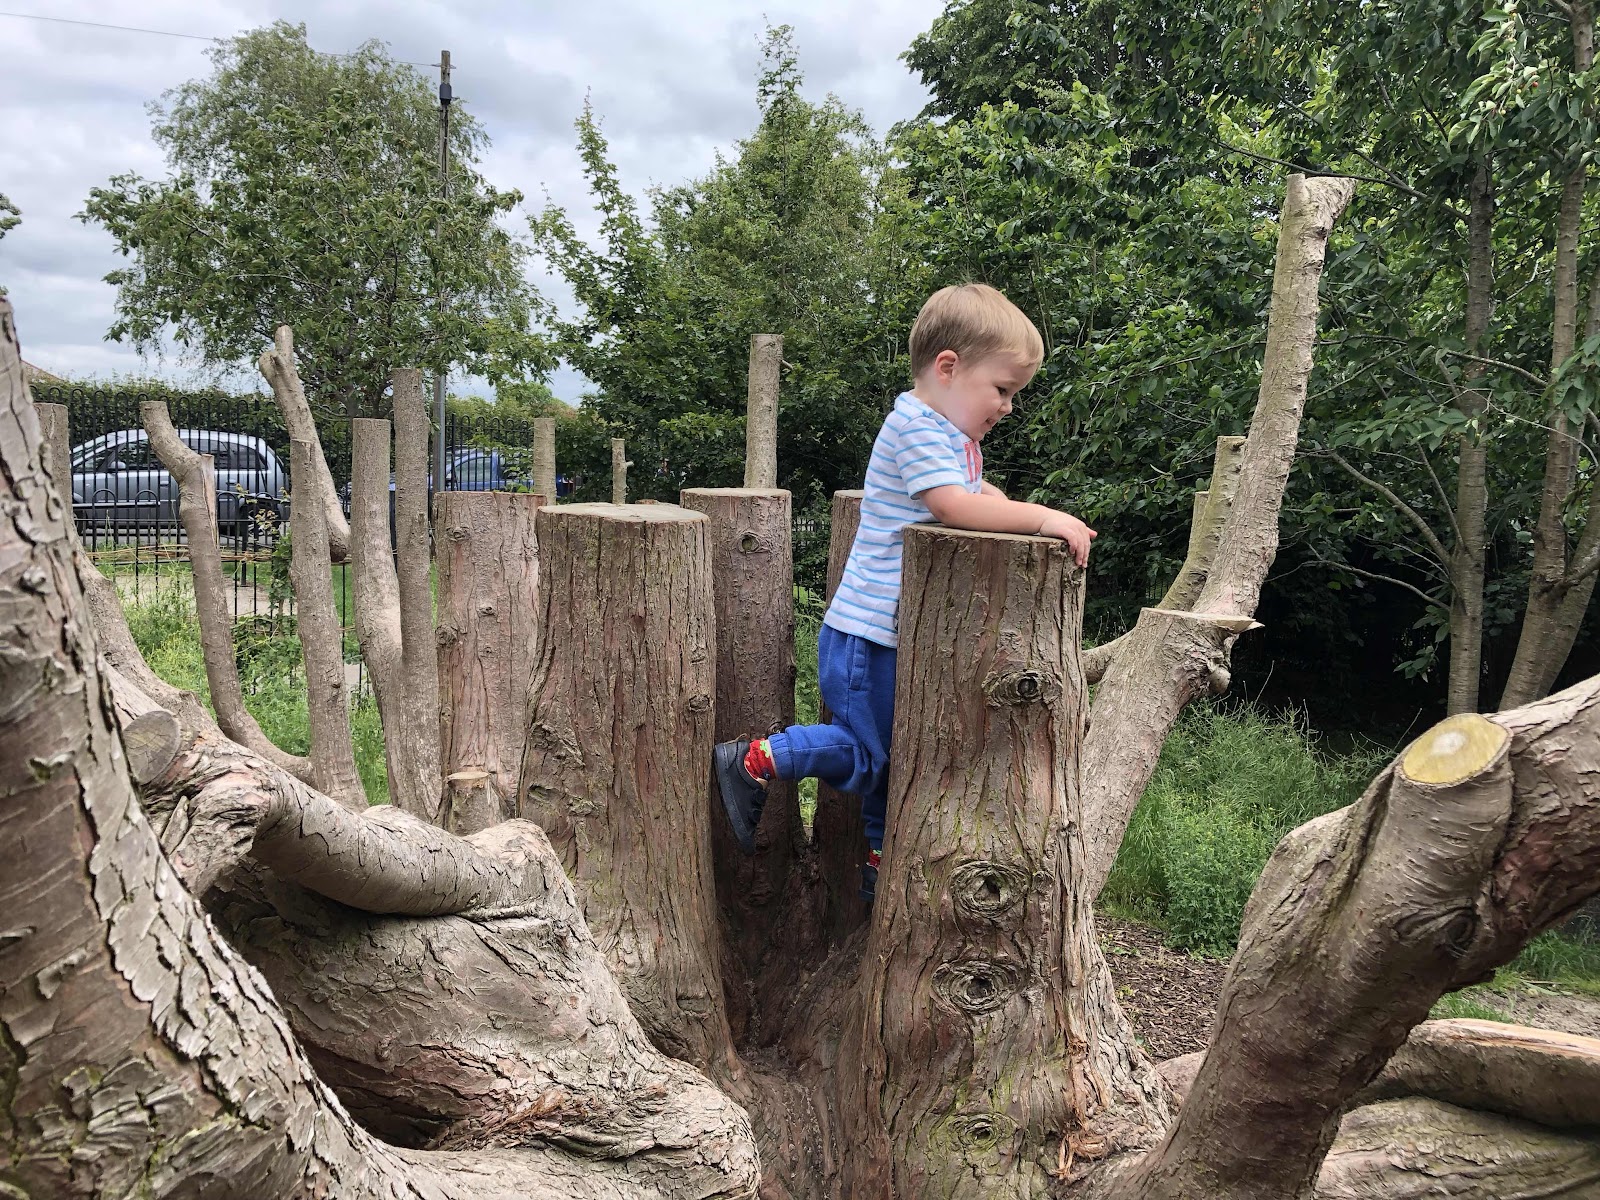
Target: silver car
x,y
117,479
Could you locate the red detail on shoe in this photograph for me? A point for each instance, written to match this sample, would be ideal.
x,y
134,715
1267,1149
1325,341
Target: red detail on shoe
x,y
758,760
872,857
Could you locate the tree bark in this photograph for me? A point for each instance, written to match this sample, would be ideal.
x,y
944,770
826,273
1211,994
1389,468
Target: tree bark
x,y
618,757
414,560
1472,471
1170,659
488,637
992,1052
1211,508
278,368
1535,666
140,1055
333,758
619,472
761,411
544,458
837,830
1363,919
197,512
151,736
752,580
411,731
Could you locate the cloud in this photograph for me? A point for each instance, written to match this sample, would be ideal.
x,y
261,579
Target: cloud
x,y
673,83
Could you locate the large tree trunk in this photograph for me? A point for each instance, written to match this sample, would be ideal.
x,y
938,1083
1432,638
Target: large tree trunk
x,y
1472,470
752,576
618,758
1173,657
1536,663
139,1054
488,638
989,1052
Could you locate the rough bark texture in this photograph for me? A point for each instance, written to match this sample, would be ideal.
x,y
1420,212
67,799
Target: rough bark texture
x,y
1211,508
544,458
991,1052
761,409
1169,660
1535,666
139,1055
837,830
1362,919
414,558
278,368
411,731
333,758
1471,508
488,562
617,765
752,579
619,472
198,513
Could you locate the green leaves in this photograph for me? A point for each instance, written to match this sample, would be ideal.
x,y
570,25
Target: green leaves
x,y
306,191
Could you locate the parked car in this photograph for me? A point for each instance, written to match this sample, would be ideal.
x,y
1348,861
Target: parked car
x,y
117,479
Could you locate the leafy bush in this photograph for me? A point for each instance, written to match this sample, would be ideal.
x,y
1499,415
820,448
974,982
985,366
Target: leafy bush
x,y
1229,785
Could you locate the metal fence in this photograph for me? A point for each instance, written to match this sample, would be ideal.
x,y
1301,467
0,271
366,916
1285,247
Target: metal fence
x,y
126,504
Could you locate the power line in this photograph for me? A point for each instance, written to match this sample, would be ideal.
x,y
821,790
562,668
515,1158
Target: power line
x,y
196,37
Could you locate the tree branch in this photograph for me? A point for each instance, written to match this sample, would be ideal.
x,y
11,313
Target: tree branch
x,y
1422,526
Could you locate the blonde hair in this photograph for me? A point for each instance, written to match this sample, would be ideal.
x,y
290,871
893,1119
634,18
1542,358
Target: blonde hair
x,y
975,321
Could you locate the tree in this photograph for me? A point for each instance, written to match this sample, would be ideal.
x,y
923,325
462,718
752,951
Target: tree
x,y
462,995
305,191
10,215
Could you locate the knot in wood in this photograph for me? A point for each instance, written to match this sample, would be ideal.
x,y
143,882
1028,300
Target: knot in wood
x,y
980,1131
698,703
977,985
986,890
1027,685
751,542
456,533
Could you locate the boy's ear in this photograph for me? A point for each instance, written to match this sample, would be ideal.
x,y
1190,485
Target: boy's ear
x,y
944,365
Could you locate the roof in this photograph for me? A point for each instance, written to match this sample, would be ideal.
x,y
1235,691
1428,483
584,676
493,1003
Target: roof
x,y
33,374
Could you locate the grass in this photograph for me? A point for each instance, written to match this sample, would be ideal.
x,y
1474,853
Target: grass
x,y
267,650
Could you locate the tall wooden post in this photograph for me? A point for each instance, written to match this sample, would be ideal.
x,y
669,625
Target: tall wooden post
x,y
544,458
837,830
619,472
761,421
488,564
617,764
990,1050
752,578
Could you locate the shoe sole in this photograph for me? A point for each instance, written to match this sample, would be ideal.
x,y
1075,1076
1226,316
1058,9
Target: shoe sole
x,y
725,759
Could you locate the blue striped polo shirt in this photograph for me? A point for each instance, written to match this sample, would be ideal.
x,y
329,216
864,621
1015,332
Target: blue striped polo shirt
x,y
916,449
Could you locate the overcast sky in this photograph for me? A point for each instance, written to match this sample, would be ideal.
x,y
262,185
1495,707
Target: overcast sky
x,y
673,82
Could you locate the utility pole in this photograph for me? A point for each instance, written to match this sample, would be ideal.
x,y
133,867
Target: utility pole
x,y
445,96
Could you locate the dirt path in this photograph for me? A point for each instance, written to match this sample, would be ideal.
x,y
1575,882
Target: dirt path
x,y
1171,997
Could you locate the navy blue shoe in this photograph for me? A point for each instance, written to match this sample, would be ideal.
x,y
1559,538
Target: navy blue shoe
x,y
743,795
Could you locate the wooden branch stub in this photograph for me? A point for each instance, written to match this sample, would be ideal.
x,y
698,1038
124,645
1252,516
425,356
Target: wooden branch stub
x,y
1023,685
1232,622
544,458
761,420
150,734
1454,750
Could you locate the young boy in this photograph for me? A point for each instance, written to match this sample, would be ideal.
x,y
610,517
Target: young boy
x,y
972,351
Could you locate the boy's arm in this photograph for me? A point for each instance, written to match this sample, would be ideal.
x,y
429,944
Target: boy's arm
x,y
961,509
989,489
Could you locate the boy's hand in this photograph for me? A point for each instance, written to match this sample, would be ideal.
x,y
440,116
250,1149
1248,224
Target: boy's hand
x,y
1069,529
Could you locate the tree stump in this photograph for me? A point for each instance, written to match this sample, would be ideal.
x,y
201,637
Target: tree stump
x,y
837,830
752,578
544,458
990,1050
761,411
488,564
618,760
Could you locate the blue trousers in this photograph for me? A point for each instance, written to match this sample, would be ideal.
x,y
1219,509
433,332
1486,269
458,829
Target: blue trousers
x,y
856,678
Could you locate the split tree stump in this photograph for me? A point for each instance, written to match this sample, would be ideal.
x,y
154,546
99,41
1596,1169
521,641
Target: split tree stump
x,y
488,564
618,759
990,1051
752,577
837,830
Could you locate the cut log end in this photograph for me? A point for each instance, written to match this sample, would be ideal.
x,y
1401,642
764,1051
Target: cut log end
x,y
1454,750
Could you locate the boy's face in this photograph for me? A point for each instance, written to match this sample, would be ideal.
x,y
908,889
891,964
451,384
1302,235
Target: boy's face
x,y
975,393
